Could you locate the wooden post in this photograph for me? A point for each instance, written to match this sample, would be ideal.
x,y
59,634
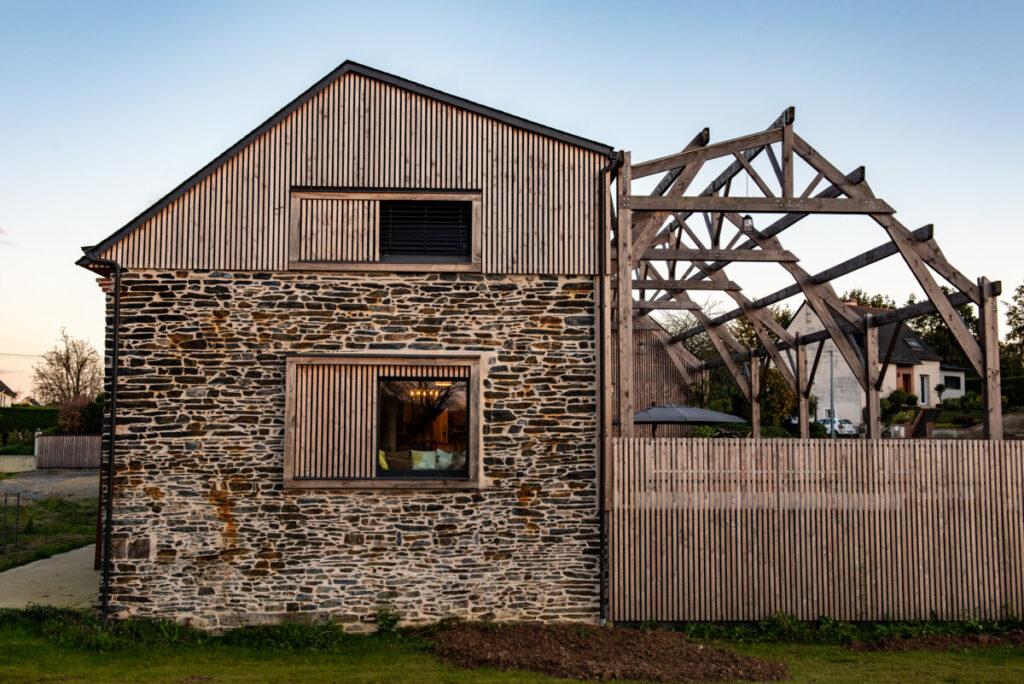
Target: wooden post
x,y
624,244
871,370
988,326
802,389
755,397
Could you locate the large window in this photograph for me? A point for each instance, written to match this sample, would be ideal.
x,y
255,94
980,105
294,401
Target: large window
x,y
422,427
952,382
385,231
371,421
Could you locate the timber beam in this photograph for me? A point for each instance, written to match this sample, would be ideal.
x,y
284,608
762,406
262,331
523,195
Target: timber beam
x,y
666,304
727,255
763,205
849,266
683,285
913,311
724,148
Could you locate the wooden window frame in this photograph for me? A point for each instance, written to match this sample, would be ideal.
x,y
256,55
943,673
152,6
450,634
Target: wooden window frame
x,y
474,414
475,264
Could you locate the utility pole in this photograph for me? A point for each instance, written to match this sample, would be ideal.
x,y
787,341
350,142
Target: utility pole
x,y
831,397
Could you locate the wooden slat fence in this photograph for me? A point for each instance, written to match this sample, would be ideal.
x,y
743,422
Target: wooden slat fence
x,y
731,529
68,451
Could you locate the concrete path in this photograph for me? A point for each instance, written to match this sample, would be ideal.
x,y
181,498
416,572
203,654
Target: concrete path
x,y
66,580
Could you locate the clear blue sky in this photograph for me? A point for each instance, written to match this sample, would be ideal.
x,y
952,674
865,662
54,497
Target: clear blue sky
x,y
106,107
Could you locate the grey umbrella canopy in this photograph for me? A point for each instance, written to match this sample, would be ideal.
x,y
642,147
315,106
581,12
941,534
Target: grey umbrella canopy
x,y
682,415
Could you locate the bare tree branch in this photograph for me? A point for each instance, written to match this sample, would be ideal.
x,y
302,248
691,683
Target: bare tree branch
x,y
71,369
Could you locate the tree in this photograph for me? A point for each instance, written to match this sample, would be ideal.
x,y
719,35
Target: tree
x,y
1011,352
936,334
744,333
71,369
875,301
1015,316
777,400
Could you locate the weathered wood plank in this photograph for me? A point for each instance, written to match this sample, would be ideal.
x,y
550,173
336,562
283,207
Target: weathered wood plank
x,y
664,254
667,305
771,205
724,148
682,285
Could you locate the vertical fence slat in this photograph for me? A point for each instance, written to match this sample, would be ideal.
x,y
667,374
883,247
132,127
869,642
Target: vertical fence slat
x,y
732,529
68,451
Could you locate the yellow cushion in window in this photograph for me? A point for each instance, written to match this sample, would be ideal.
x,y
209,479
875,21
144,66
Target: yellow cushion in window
x,y
424,460
381,460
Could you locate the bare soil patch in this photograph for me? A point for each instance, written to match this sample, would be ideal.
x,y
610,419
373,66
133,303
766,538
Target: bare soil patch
x,y
939,642
598,654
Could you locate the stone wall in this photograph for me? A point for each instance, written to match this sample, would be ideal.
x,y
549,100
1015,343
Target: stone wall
x,y
204,532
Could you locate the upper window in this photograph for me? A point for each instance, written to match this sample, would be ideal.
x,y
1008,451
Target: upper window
x,y
362,421
385,231
424,231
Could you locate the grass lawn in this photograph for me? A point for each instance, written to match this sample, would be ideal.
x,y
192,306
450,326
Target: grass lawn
x,y
822,664
48,527
53,654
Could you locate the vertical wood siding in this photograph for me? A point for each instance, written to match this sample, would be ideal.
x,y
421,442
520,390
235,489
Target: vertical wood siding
x,y
540,195
68,451
338,230
852,529
655,381
335,424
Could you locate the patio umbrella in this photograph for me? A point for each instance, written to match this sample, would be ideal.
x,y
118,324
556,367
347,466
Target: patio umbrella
x,y
685,415
672,414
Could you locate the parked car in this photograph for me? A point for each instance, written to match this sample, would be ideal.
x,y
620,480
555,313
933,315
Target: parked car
x,y
844,428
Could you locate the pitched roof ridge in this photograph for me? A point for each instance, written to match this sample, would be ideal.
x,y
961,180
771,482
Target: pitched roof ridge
x,y
346,67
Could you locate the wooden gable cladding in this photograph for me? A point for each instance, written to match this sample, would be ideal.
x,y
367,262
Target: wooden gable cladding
x,y
331,417
335,229
539,195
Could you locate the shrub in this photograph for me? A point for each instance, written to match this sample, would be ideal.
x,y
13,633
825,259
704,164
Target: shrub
x,y
897,398
387,618
965,420
970,401
27,418
18,449
951,404
903,417
71,415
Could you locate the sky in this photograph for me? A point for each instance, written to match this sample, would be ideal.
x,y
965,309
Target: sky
x,y
105,107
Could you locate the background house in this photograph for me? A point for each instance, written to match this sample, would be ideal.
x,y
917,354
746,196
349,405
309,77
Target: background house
x,y
7,395
914,367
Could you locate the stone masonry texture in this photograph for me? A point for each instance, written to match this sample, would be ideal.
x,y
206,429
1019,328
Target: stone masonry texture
x,y
203,531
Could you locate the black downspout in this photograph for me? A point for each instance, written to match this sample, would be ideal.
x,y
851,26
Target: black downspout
x,y
108,521
603,246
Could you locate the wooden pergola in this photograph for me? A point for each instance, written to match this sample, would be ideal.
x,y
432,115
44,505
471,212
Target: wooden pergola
x,y
657,259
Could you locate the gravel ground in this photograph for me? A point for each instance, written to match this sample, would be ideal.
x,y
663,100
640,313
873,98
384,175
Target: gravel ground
x,y
59,483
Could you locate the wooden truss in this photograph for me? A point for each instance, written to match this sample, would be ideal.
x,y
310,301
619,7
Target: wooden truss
x,y
658,257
